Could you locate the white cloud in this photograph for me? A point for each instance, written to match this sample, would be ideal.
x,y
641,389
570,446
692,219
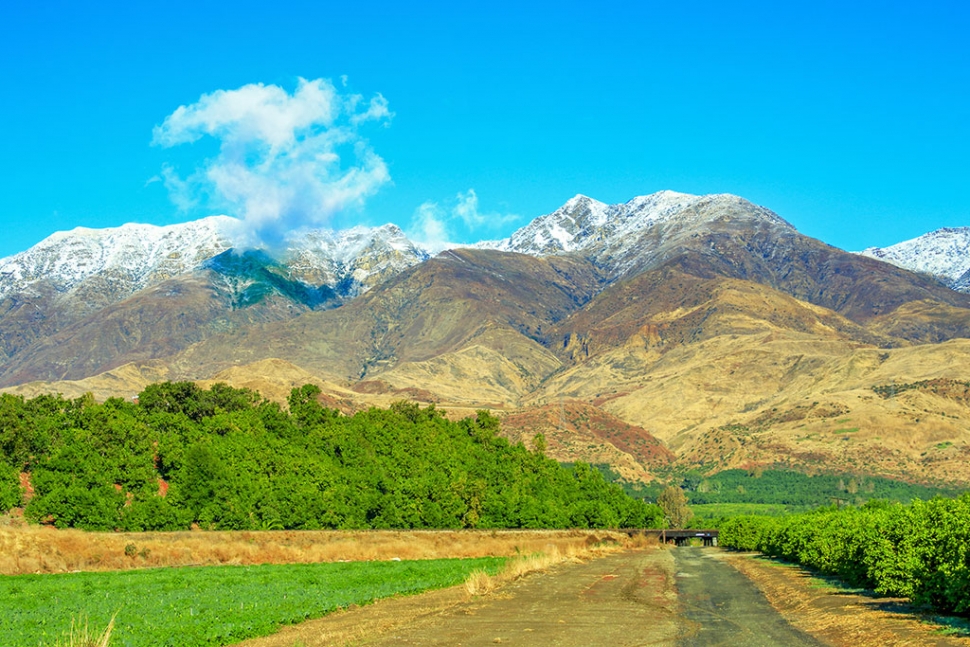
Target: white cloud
x,y
467,210
429,227
180,192
376,110
285,160
435,226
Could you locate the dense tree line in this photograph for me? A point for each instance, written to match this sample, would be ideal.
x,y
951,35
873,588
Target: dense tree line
x,y
225,458
920,551
784,487
788,487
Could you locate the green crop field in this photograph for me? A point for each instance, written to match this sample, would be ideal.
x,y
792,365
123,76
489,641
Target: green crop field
x,y
208,605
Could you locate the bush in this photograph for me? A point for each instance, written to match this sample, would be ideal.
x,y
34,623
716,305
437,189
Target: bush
x,y
920,551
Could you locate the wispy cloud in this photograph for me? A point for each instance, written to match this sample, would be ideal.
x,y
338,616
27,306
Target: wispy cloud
x,y
285,160
429,227
437,226
467,209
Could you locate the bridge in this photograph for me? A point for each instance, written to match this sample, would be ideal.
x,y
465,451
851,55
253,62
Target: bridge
x,y
676,536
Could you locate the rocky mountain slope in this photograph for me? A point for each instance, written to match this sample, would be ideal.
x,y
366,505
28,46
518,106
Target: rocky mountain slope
x,y
142,291
486,308
700,330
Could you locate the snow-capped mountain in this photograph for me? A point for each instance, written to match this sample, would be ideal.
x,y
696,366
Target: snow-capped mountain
x,y
86,301
137,254
356,258
125,293
102,266
584,222
944,253
624,237
132,257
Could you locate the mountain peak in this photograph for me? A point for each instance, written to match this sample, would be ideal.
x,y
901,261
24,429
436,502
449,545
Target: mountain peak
x,y
944,253
664,196
584,224
579,200
134,253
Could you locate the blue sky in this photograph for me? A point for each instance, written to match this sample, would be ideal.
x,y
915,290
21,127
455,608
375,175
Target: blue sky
x,y
850,120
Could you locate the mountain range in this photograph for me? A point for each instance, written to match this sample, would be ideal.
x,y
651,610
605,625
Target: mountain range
x,y
698,331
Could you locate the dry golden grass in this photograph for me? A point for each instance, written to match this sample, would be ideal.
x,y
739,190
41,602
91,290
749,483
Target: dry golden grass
x,y
81,636
32,549
837,617
481,583
642,540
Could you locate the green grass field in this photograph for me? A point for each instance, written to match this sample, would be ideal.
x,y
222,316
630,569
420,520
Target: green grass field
x,y
714,511
193,607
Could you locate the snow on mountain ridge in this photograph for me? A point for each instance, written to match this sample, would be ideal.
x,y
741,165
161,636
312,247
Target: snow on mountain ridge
x,y
614,234
139,255
346,244
143,253
363,255
943,253
620,236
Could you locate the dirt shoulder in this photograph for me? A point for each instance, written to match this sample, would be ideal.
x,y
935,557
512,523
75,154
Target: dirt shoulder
x,y
838,617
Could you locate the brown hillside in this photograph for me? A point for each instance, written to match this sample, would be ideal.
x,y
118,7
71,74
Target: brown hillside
x,y
581,431
777,399
704,363
25,318
857,287
666,308
122,382
925,322
456,300
154,323
730,237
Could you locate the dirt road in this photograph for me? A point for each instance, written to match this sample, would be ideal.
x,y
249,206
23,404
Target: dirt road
x,y
686,596
721,606
666,597
623,599
683,597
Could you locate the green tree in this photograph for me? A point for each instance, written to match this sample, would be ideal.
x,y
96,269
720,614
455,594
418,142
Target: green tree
x,y
226,458
11,494
673,502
